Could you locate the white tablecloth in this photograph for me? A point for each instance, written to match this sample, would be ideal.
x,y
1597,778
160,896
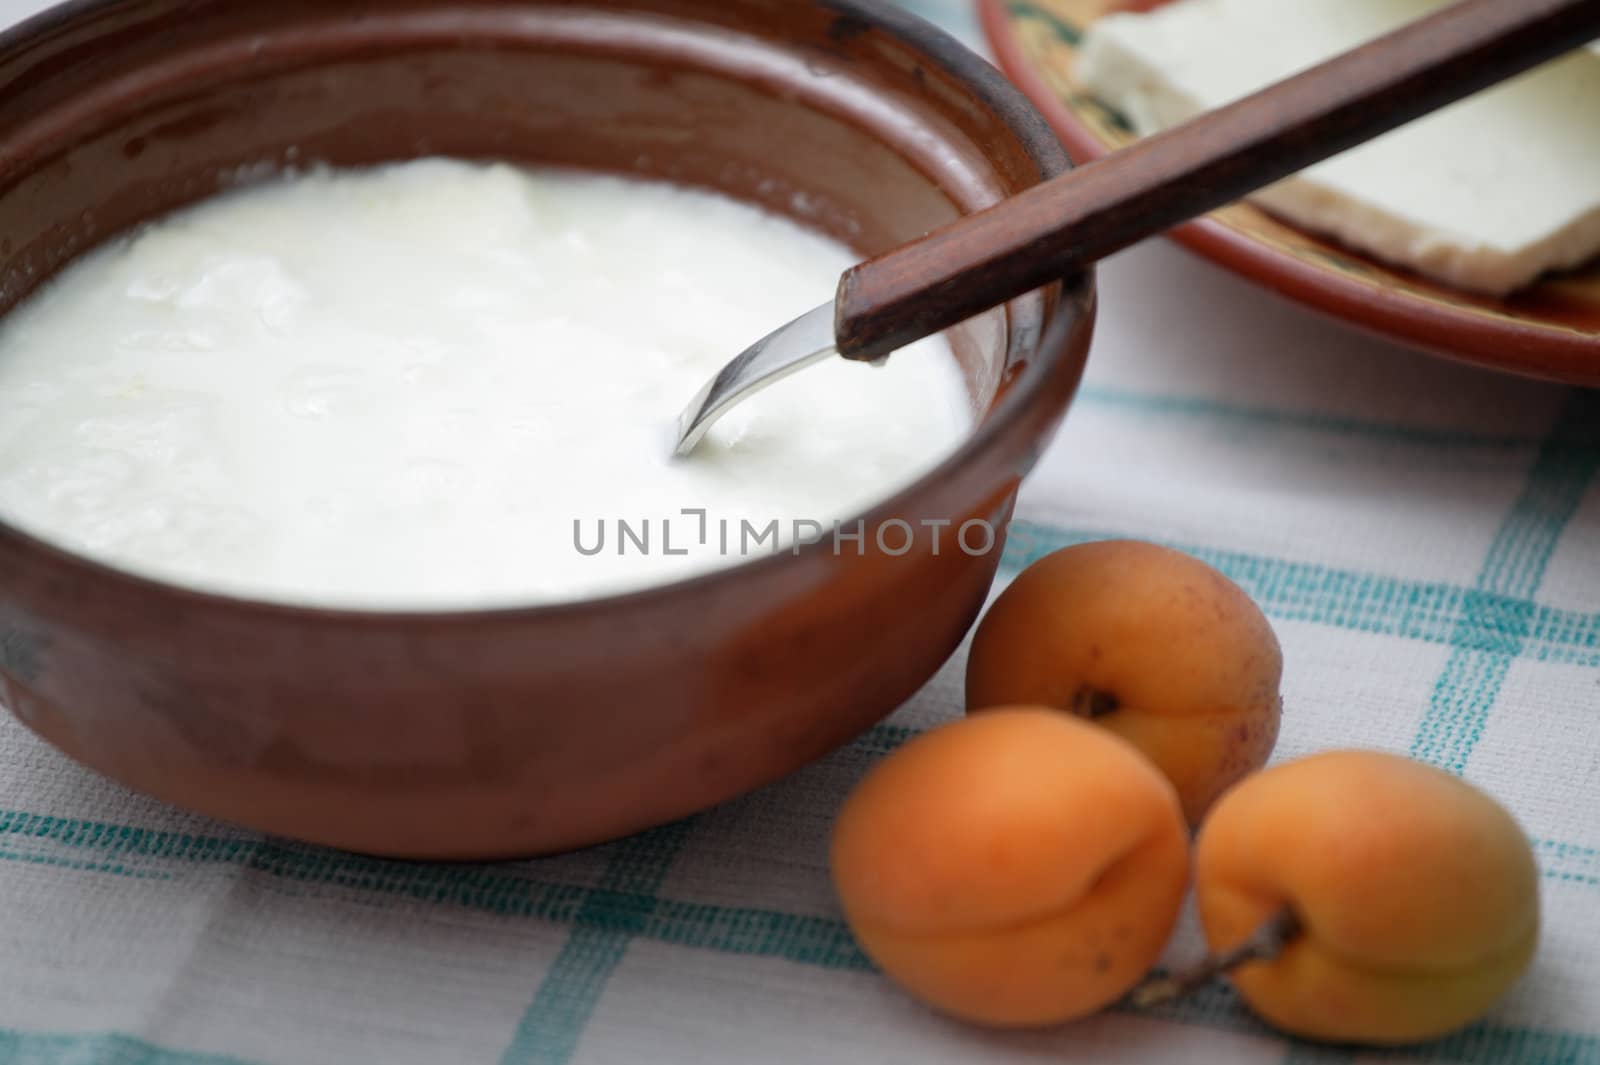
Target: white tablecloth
x,y
1425,538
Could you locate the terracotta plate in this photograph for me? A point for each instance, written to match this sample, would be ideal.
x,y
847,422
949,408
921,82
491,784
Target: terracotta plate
x,y
1551,330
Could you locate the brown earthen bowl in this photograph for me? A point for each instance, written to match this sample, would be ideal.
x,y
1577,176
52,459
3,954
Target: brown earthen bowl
x,y
512,732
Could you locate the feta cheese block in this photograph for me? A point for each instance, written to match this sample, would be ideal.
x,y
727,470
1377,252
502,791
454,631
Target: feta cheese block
x,y
1485,195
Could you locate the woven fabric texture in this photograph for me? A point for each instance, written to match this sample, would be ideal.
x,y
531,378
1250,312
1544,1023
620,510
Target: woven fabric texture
x,y
1425,539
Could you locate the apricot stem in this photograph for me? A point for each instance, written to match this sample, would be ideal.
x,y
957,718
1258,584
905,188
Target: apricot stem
x,y
1265,944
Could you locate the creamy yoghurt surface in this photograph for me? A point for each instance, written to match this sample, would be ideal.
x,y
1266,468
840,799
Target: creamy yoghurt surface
x,y
440,385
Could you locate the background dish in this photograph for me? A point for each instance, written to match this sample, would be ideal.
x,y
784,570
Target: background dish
x,y
1551,330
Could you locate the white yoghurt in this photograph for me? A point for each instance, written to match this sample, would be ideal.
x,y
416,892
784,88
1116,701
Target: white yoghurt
x,y
400,388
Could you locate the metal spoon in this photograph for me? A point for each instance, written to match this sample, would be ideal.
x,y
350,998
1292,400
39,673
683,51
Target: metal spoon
x,y
1065,224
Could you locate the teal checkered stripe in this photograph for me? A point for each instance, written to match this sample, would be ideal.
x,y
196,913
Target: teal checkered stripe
x,y
507,891
1468,447
1496,626
1491,1047
1569,862
106,1048
1427,611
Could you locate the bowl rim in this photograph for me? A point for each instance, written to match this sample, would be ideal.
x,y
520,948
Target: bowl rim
x,y
1488,342
1052,348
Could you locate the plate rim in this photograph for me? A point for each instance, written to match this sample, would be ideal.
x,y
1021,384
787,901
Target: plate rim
x,y
1564,355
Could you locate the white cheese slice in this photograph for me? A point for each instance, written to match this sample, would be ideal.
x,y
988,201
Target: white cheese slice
x,y
1485,195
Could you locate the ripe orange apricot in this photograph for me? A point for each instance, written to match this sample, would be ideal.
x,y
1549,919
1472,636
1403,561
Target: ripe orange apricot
x,y
1416,896
1016,868
1148,642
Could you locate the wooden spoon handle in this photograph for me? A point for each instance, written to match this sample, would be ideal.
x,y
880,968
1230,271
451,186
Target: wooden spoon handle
x,y
1060,226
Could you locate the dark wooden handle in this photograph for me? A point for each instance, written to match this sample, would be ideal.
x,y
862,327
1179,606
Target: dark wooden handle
x,y
1053,229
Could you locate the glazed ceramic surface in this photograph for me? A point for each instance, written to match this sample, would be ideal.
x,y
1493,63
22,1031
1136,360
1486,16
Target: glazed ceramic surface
x,y
517,731
1551,330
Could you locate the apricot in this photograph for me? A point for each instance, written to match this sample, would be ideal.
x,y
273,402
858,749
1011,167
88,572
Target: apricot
x,y
1415,897
1018,868
1148,642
